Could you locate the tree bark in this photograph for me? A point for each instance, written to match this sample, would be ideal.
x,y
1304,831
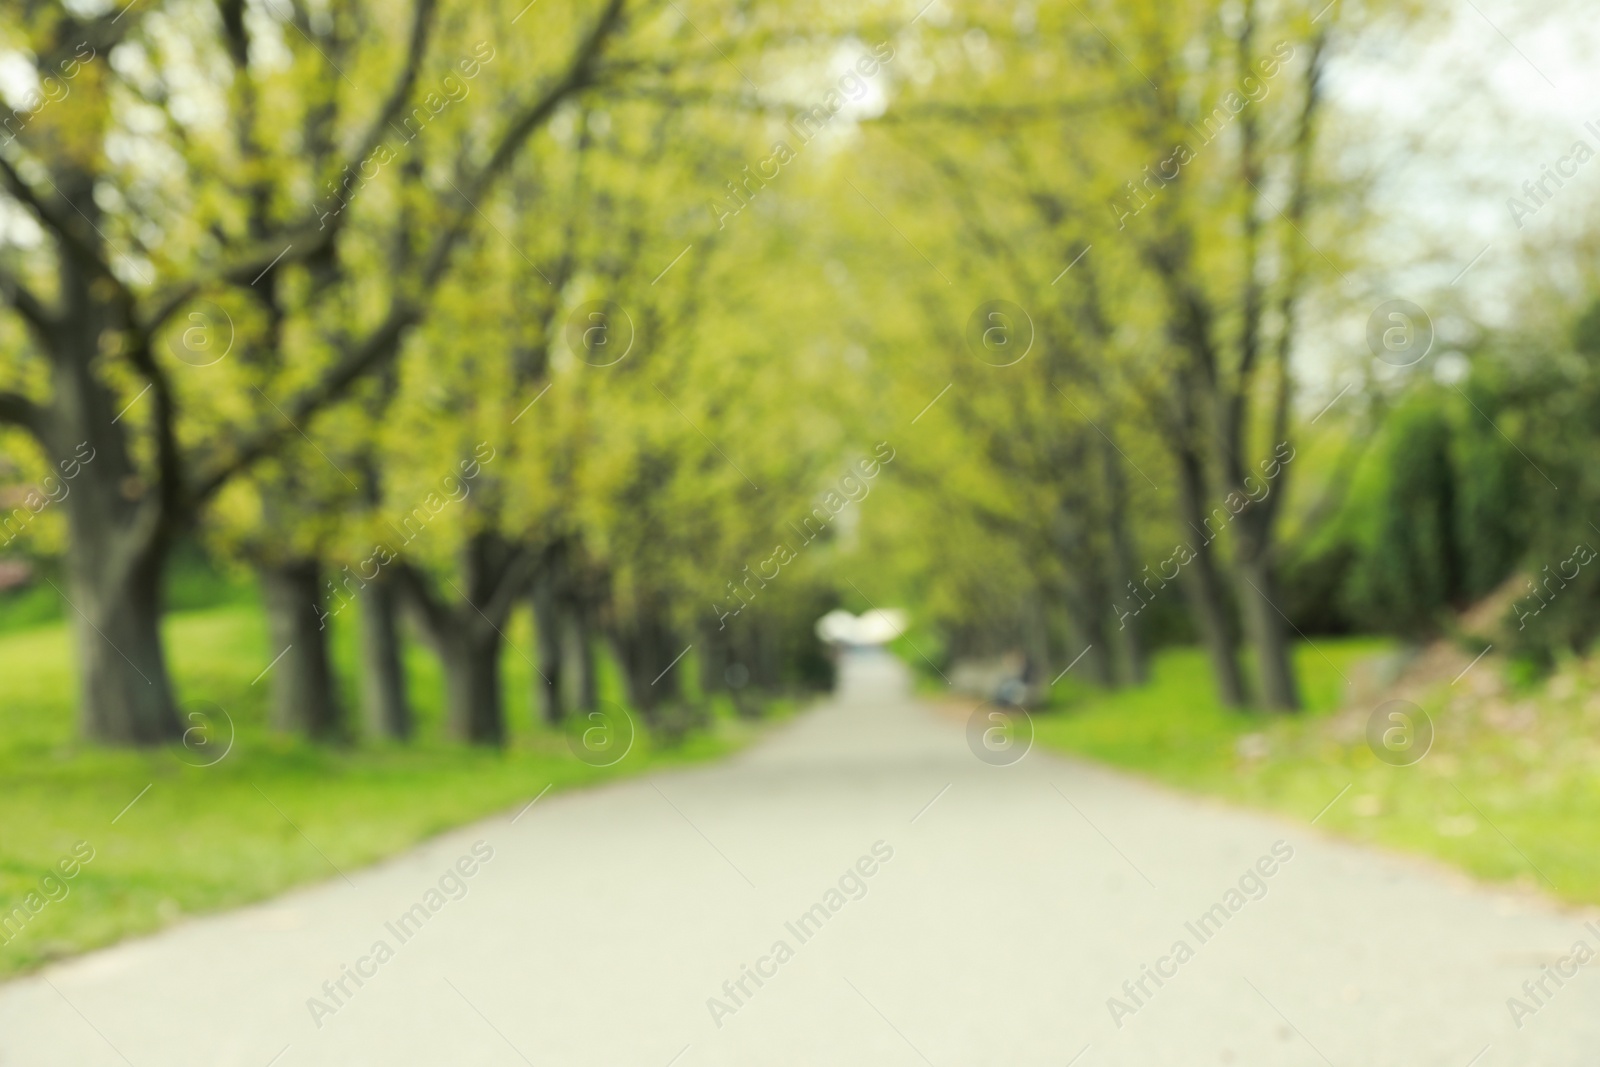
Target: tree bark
x,y
642,648
1268,631
467,636
768,654
1134,668
578,651
1087,626
738,654
117,545
1083,593
547,625
304,700
1205,590
126,691
470,655
1036,641
714,659
384,706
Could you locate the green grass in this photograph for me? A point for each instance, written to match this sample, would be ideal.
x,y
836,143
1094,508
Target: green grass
x,y
206,838
1509,791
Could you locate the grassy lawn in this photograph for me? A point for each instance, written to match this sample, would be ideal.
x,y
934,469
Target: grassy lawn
x,y
1509,791
205,838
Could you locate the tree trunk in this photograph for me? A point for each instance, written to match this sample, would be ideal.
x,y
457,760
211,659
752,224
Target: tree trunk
x,y
304,700
384,705
1084,593
1036,642
768,655
467,635
470,655
1089,634
126,691
1205,590
578,649
1208,608
1268,631
547,681
641,647
1133,662
738,655
118,533
714,659
1134,667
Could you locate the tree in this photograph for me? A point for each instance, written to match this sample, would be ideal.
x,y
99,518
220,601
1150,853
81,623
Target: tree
x,y
97,315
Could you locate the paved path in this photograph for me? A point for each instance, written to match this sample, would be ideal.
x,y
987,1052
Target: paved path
x,y
1016,901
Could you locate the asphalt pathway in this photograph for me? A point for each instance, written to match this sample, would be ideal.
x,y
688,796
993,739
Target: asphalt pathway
x,y
860,888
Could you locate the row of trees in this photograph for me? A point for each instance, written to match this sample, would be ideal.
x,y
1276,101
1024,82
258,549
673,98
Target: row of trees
x,y
1158,192
441,312
299,277
1176,207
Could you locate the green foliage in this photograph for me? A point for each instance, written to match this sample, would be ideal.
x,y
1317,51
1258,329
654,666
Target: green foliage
x,y
780,323
1491,508
1439,521
1412,568
1540,379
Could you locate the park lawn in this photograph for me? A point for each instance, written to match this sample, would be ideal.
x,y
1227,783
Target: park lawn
x,y
273,813
1509,791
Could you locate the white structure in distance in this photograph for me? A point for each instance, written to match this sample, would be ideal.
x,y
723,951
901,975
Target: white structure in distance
x,y
840,627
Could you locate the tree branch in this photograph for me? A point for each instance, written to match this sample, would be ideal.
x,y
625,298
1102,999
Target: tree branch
x,y
433,615
308,238
406,310
39,317
380,345
170,483
55,219
18,410
514,577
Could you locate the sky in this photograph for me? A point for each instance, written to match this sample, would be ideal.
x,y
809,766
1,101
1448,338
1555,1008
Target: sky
x,y
1451,117
1462,115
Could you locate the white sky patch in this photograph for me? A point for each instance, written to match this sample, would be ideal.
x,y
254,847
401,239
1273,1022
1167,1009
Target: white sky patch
x,y
1453,118
864,96
267,19
1461,119
89,8
18,78
873,99
18,228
